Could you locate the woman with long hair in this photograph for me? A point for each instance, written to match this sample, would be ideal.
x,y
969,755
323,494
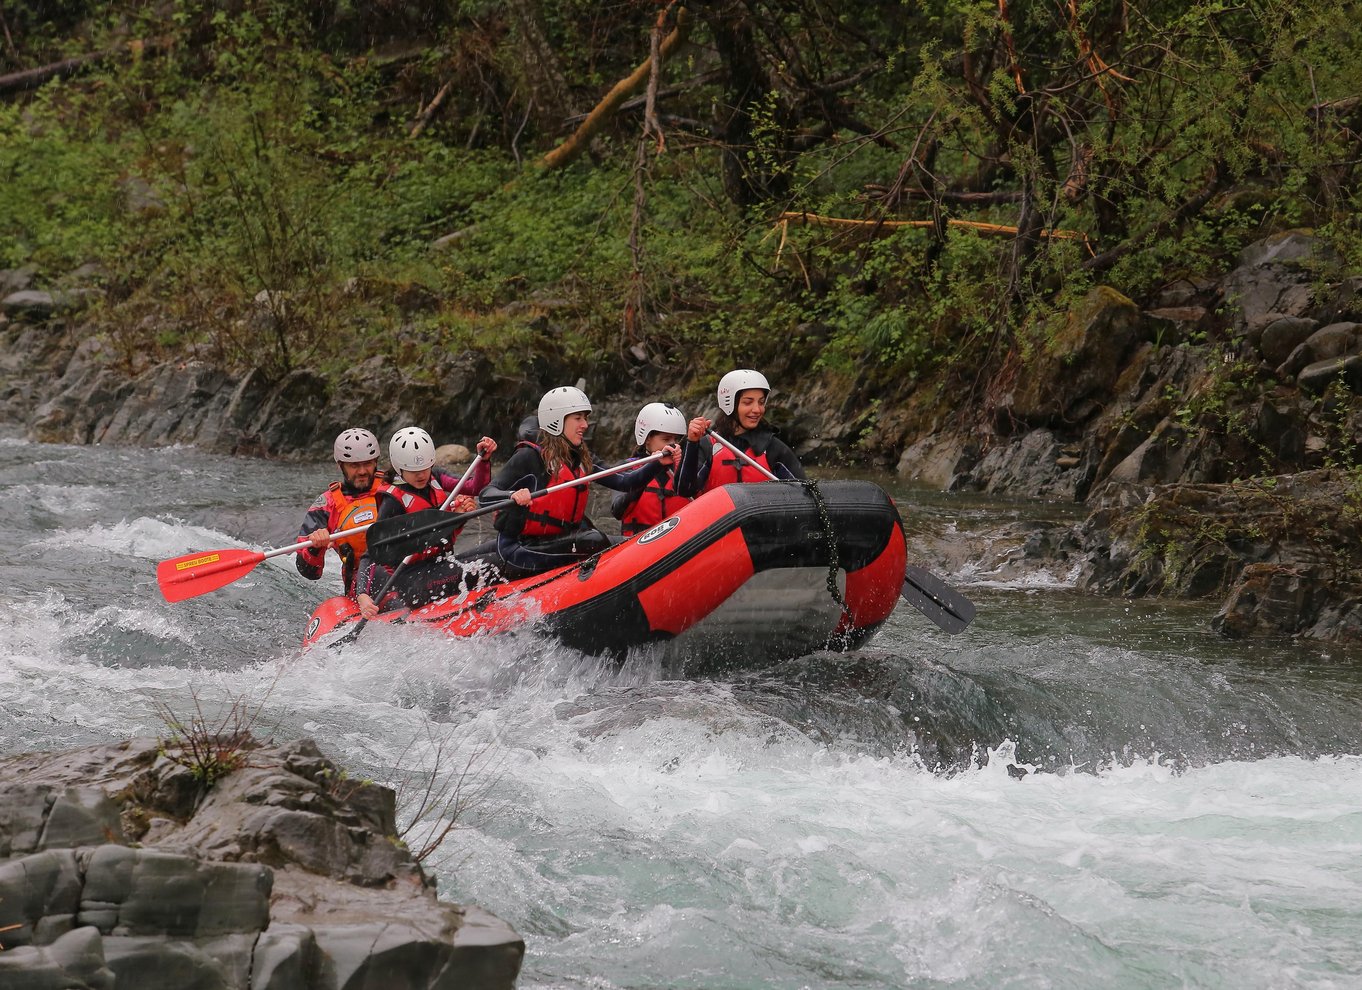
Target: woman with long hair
x,y
536,534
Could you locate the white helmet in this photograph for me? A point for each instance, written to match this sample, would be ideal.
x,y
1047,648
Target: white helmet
x,y
411,449
354,446
737,381
658,417
557,403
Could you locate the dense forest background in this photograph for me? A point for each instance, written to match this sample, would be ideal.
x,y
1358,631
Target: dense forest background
x,y
896,197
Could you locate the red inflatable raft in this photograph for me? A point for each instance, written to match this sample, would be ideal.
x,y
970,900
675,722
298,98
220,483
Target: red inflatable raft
x,y
754,569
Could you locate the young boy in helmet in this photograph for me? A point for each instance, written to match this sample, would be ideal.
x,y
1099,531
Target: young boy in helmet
x,y
742,398
657,426
346,504
535,535
416,485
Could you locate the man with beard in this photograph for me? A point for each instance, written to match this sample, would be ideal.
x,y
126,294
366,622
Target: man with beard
x,y
346,504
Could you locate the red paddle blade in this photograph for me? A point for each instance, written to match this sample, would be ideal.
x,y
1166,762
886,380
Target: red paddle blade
x,y
198,573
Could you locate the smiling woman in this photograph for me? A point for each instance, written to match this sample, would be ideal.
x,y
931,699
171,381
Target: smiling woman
x,y
540,530
743,447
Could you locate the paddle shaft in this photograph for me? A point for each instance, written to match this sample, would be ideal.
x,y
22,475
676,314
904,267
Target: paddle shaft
x,y
304,544
741,454
458,519
402,566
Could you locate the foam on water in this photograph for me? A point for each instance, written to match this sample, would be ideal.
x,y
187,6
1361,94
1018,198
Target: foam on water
x,y
770,862
144,538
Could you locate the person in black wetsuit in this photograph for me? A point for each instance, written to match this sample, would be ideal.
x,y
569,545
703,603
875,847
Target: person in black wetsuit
x,y
535,535
657,426
742,398
417,484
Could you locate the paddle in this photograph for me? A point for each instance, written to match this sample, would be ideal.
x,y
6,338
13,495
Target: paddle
x,y
923,590
207,570
395,538
353,634
936,600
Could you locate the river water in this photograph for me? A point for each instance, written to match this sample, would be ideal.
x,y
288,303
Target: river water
x,y
1076,792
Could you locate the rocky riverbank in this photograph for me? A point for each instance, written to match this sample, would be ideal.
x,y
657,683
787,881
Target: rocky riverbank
x,y
1210,394
1214,436
119,869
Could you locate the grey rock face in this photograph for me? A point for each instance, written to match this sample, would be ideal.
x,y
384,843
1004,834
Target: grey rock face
x,y
1274,280
75,961
273,879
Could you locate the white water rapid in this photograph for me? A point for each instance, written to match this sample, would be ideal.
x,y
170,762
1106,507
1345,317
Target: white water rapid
x,y
1074,793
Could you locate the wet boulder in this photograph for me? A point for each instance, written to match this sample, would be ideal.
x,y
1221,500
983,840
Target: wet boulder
x,y
1079,363
1281,337
1317,377
1268,598
74,960
1334,341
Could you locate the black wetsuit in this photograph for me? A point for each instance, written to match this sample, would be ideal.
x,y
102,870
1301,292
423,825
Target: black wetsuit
x,y
526,469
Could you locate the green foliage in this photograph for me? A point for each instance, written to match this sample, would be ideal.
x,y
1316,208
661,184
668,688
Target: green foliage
x,y
59,185
210,746
281,176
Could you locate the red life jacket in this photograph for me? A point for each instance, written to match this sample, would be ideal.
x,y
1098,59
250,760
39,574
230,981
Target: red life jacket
x,y
560,512
727,467
658,501
347,512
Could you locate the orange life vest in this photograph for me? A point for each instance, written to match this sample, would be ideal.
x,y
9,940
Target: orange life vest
x,y
348,512
657,501
727,467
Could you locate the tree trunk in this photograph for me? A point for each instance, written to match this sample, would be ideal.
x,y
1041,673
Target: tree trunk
x,y
571,149
745,84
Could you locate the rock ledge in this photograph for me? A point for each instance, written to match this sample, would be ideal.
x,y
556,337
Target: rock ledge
x,y
118,870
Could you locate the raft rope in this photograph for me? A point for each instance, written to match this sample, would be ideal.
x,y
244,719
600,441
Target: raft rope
x,y
830,537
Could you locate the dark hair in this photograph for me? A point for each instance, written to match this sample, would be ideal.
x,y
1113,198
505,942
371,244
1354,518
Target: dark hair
x,y
556,452
727,425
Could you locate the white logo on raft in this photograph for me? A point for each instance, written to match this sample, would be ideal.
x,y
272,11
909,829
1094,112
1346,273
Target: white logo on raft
x,y
659,531
313,626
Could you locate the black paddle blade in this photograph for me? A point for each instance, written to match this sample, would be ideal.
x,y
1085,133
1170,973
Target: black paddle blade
x,y
392,540
937,600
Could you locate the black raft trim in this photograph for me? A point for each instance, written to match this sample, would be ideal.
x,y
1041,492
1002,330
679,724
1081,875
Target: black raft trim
x,y
781,531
